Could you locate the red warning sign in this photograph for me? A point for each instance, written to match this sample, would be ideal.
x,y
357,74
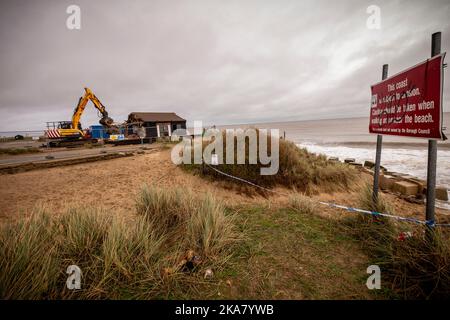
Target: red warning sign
x,y
410,103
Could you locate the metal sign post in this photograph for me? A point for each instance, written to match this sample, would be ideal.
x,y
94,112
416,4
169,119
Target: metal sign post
x,y
432,149
376,173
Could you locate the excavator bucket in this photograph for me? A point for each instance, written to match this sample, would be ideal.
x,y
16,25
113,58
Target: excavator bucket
x,y
106,121
109,124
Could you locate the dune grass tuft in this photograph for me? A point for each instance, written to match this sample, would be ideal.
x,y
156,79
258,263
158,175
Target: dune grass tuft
x,y
303,204
200,223
366,201
298,169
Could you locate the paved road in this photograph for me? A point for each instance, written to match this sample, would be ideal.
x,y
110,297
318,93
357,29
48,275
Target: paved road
x,y
69,153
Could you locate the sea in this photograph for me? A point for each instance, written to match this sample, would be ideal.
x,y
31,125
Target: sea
x,y
350,138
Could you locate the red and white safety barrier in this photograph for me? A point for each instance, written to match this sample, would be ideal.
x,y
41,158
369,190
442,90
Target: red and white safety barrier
x,y
54,133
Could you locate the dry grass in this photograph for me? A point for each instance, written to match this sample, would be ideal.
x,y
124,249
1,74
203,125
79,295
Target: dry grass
x,y
287,252
303,204
147,257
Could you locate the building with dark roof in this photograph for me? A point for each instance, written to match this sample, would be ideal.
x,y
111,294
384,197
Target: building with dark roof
x,y
156,124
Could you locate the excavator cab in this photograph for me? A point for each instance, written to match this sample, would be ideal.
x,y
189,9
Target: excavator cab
x,y
57,125
67,125
64,125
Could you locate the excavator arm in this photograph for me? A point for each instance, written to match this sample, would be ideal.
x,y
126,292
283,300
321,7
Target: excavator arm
x,y
89,95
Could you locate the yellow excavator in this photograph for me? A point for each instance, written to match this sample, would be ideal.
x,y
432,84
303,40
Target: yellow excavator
x,y
70,133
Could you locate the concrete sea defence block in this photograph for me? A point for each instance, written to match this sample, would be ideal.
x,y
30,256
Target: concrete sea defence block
x,y
369,164
422,184
356,164
405,187
348,160
441,193
386,182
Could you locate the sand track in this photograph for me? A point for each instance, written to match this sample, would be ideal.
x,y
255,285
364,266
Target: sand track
x,y
112,184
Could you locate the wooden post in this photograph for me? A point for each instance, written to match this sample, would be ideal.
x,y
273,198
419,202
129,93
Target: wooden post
x,y
376,173
432,150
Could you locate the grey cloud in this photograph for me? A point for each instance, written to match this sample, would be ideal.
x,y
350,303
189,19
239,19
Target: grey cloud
x,y
220,62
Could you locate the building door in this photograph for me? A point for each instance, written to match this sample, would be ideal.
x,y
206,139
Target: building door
x,y
164,129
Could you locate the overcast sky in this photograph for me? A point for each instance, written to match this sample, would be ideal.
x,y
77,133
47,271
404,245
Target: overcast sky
x,y
222,62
